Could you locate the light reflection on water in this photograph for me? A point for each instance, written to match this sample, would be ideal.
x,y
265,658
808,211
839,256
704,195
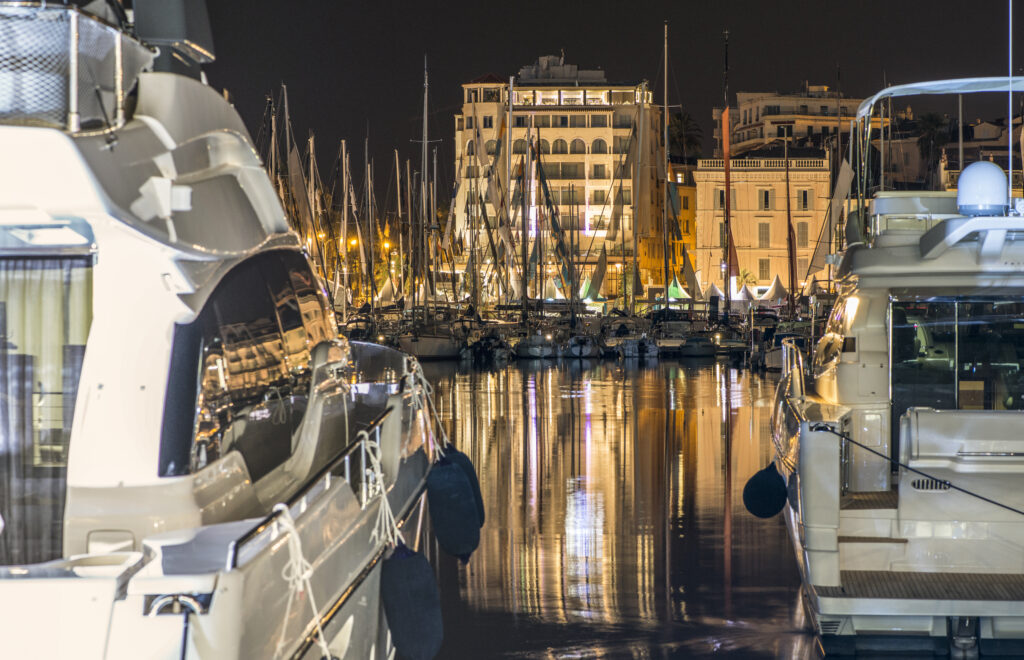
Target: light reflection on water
x,y
611,532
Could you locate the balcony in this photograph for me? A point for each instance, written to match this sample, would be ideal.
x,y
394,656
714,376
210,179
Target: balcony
x,y
63,68
763,164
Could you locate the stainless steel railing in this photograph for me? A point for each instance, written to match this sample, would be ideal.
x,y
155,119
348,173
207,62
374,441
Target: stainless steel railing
x,y
64,68
315,486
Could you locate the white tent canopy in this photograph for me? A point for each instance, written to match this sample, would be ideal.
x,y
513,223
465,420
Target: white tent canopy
x,y
776,292
713,290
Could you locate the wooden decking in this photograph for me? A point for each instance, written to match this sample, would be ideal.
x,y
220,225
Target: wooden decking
x,y
926,586
879,500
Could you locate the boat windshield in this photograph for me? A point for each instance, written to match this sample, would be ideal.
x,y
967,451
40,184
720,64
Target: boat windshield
x,y
957,353
45,313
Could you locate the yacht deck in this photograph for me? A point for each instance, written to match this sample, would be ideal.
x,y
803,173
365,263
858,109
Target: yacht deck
x,y
927,586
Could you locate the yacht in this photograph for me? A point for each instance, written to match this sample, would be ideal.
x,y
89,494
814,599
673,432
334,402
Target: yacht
x,y
898,447
194,463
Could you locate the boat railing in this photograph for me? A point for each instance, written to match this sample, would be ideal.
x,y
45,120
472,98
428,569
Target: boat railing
x,y
348,465
793,366
64,68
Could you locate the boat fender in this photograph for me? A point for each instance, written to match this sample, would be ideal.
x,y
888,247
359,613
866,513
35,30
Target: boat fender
x,y
765,492
452,509
412,604
464,462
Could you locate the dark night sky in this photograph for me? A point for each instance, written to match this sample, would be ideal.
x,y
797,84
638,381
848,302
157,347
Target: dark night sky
x,y
351,62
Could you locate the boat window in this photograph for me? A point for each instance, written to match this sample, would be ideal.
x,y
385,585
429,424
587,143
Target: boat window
x,y
45,314
234,356
312,304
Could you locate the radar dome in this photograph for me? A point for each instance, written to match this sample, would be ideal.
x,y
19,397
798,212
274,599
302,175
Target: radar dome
x,y
982,190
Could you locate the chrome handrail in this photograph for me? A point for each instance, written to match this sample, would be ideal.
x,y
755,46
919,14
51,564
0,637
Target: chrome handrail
x,y
793,366
302,497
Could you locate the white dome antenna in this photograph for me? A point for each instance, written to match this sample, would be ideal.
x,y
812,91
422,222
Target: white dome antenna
x,y
981,190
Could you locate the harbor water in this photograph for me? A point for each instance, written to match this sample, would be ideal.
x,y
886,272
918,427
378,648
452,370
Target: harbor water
x,y
615,522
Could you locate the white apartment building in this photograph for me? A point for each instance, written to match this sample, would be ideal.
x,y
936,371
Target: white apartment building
x,y
596,164
761,117
758,217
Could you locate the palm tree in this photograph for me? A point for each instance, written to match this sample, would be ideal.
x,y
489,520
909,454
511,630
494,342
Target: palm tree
x,y
745,277
933,133
685,136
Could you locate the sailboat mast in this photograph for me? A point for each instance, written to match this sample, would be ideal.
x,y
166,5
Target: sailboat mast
x,y
401,254
344,228
664,206
523,294
423,181
791,248
508,173
726,138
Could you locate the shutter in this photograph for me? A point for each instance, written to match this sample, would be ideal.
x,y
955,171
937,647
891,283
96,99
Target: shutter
x,y
771,200
732,200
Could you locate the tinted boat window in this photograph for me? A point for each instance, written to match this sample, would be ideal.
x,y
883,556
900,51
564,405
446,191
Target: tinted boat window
x,y
239,378
314,314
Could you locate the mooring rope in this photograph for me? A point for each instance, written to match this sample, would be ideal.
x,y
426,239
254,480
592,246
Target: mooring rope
x,y
297,572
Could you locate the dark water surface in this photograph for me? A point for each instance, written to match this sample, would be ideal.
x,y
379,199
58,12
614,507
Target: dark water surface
x,y
615,521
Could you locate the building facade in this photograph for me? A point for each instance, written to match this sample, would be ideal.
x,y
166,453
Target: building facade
x,y
758,218
816,115
599,144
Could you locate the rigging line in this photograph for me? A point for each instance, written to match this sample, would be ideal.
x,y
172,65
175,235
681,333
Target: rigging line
x,y
611,189
825,427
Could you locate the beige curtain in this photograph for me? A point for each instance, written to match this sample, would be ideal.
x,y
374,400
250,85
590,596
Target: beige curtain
x,y
45,313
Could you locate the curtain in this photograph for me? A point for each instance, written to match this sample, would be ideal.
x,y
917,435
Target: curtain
x,y
45,313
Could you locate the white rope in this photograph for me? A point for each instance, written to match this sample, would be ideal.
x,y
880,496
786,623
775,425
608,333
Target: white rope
x,y
424,400
296,573
386,528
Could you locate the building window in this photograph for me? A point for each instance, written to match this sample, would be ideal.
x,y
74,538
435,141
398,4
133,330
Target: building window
x,y
764,200
492,95
578,121
469,122
562,121
764,237
560,146
599,121
491,147
686,203
521,122
721,234
824,110
459,124
764,270
545,147
621,145
780,131
542,121
578,146
472,172
803,198
624,196
599,146
488,121
599,171
801,268
801,234
519,146
719,199
825,130
469,148
598,197
810,131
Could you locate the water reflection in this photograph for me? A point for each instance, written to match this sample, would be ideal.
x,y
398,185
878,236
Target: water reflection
x,y
615,523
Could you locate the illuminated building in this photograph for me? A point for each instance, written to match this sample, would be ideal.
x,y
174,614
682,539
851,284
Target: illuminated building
x,y
599,170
